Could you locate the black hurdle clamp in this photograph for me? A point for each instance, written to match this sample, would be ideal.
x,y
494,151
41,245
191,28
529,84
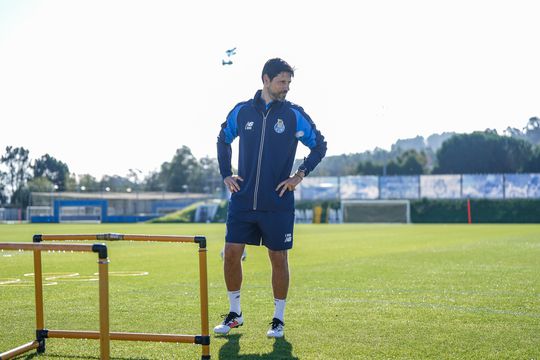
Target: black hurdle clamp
x,y
202,339
201,240
41,335
101,249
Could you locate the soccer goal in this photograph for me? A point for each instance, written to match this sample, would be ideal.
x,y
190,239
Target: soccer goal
x,y
376,211
38,212
81,211
80,214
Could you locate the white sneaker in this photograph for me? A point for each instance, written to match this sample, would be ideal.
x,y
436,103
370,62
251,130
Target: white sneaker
x,y
231,321
276,329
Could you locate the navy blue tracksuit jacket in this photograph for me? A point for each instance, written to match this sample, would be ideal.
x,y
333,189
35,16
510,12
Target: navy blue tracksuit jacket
x,y
268,136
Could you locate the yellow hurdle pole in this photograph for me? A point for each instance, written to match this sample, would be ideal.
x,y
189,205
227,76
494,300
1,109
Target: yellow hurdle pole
x,y
203,274
38,284
124,336
38,293
19,350
115,236
43,247
104,335
159,238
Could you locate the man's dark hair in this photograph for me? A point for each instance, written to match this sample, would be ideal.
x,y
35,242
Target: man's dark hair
x,y
274,67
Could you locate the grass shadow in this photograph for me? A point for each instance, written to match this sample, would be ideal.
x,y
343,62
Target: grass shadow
x,y
26,357
282,350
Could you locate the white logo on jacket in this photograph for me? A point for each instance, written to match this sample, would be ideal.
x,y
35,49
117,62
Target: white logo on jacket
x,y
249,125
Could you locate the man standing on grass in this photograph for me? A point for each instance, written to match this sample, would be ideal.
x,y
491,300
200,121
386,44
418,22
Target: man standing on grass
x,y
262,200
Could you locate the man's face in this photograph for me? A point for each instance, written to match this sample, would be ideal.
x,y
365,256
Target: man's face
x,y
279,86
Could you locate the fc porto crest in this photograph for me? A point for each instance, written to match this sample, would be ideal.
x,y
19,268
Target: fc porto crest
x,y
279,127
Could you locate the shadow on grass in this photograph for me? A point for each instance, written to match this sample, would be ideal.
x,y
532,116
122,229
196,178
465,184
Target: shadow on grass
x,y
26,357
282,350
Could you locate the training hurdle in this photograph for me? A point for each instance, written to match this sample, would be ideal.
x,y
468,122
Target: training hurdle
x,y
202,339
41,333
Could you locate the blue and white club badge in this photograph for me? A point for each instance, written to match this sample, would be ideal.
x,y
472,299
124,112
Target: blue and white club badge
x,y
279,127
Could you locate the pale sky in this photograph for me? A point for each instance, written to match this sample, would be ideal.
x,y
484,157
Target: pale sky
x,y
107,85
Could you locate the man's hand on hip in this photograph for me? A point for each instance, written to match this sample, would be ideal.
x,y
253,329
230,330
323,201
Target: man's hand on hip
x,y
288,184
231,182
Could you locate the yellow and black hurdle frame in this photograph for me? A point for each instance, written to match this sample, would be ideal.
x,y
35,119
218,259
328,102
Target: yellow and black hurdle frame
x,y
202,339
41,333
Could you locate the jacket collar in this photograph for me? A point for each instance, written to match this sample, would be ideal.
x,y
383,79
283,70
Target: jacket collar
x,y
260,104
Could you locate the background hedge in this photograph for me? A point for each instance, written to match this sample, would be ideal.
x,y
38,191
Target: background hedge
x,y
482,211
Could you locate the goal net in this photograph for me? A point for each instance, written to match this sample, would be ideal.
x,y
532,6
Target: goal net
x,y
81,214
376,211
35,211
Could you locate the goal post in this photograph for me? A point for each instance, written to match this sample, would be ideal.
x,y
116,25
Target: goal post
x,y
376,211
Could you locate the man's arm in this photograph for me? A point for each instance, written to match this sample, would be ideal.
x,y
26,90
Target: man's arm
x,y
307,133
224,150
227,134
224,154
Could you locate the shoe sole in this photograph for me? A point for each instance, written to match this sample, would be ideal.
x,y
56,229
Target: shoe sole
x,y
225,333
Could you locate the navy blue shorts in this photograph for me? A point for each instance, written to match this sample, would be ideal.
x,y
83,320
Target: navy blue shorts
x,y
273,228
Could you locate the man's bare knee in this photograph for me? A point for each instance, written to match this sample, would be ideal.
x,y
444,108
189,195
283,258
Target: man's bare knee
x,y
278,258
233,252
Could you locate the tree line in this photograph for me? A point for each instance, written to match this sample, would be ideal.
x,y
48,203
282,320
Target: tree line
x,y
475,153
516,151
20,175
481,152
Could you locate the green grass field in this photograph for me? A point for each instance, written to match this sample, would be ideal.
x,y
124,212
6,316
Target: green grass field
x,y
357,292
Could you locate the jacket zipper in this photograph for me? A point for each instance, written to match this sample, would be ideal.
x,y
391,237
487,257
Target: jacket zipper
x,y
261,146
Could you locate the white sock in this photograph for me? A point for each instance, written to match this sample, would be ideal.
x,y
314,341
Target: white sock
x,y
234,301
279,309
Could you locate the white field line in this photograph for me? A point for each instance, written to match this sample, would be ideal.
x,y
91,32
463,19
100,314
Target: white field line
x,y
55,278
